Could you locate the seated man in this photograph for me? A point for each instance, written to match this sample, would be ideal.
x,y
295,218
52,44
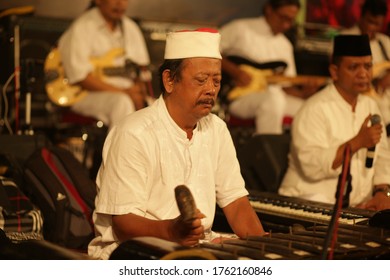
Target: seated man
x,y
337,116
260,41
371,22
95,52
176,141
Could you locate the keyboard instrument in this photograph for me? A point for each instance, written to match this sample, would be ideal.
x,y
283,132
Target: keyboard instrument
x,y
297,230
290,210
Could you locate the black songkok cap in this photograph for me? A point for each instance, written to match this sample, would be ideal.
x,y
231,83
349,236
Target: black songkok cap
x,y
351,45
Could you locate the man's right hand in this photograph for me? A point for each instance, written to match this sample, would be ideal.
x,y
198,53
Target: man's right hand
x,y
369,136
137,93
187,233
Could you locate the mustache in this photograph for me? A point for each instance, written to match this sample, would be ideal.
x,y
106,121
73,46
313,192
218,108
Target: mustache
x,y
208,101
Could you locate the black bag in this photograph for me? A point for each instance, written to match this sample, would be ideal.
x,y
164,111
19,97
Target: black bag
x,y
19,218
61,187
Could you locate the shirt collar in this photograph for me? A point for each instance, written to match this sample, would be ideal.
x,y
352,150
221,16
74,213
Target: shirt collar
x,y
172,125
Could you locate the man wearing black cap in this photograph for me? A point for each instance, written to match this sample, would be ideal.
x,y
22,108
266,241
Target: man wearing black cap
x,y
371,22
337,116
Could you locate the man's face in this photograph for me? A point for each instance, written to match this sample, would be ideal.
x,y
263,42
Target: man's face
x,y
112,10
281,19
196,90
353,75
370,24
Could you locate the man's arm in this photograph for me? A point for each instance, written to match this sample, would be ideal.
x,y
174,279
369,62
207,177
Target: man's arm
x,y
368,136
240,77
136,92
130,225
242,218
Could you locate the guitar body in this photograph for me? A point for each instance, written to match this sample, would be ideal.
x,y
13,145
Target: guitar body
x,y
257,84
58,88
265,74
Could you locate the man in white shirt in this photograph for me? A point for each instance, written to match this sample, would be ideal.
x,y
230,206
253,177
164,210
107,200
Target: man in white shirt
x,y
334,118
176,141
371,22
103,37
261,40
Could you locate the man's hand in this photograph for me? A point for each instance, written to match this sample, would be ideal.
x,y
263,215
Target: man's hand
x,y
378,202
369,136
138,94
187,233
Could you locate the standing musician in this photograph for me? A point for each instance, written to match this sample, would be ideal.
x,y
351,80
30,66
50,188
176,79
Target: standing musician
x,y
261,40
337,116
176,141
104,34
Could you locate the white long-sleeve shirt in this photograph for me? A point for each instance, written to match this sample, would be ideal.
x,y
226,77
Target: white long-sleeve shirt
x,y
324,123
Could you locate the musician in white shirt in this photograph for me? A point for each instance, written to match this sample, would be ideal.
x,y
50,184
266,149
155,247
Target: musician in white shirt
x,y
101,33
371,22
261,40
334,118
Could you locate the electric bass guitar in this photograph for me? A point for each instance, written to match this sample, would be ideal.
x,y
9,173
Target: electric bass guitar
x,y
62,93
262,77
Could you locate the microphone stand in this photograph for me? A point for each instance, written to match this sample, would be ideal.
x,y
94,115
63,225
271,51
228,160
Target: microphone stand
x,y
30,80
344,188
17,73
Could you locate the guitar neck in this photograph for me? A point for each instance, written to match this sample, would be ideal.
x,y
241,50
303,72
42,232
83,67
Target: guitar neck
x,y
121,71
297,80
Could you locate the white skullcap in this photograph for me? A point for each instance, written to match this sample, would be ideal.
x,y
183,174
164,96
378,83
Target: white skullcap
x,y
202,42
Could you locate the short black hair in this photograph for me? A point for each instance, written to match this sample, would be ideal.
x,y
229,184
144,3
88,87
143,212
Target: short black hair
x,y
276,4
374,7
175,66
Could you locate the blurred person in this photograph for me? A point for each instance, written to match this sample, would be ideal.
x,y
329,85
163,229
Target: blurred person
x,y
101,39
261,40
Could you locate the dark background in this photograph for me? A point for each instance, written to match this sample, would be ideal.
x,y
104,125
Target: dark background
x,y
318,21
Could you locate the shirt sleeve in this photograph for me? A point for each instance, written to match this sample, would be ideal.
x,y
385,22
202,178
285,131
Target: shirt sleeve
x,y
122,178
75,53
311,145
229,183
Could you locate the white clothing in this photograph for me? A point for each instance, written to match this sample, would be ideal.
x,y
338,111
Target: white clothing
x,y
325,122
90,38
252,39
147,155
378,57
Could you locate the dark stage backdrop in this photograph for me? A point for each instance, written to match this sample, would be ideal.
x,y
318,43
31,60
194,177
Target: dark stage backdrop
x,y
215,12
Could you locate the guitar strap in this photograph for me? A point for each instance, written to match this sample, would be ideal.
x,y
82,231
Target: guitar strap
x,y
384,53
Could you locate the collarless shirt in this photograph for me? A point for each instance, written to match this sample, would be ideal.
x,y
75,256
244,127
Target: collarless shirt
x,y
253,39
147,155
324,123
89,44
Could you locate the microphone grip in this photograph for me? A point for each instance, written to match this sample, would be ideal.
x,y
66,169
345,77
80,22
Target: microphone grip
x,y
371,151
370,157
185,202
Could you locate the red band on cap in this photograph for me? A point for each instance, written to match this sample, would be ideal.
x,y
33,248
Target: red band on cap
x,y
201,29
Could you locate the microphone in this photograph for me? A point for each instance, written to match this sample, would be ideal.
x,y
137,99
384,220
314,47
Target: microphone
x,y
371,151
186,203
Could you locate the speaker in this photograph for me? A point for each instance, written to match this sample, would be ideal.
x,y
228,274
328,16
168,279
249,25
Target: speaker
x,y
21,147
264,160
